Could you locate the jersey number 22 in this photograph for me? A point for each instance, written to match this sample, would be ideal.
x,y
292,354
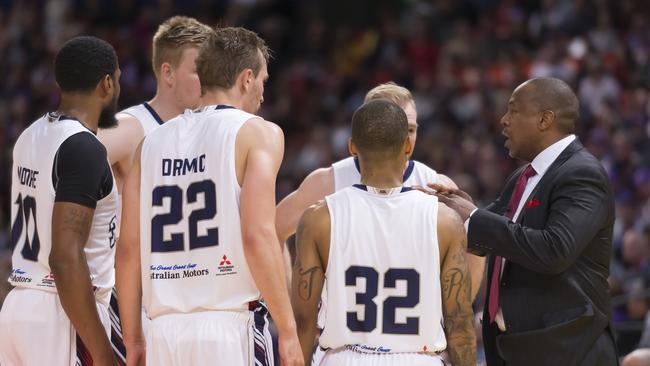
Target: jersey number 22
x,y
175,215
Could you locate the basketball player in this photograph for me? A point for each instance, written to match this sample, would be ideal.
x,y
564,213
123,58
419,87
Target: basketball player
x,y
344,173
199,214
64,220
175,47
392,260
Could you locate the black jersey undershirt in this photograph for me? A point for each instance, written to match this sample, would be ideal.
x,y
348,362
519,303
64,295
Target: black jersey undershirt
x,y
81,173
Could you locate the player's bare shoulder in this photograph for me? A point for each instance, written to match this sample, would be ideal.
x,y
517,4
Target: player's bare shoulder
x,y
315,220
450,226
261,131
321,177
120,141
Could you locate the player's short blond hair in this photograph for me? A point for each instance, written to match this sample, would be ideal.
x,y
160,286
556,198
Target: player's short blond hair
x,y
391,91
173,36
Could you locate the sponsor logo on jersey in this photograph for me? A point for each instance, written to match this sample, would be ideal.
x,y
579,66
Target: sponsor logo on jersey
x,y
176,271
18,275
367,349
225,267
48,280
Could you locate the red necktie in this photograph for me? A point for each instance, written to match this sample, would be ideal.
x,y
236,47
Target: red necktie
x,y
520,186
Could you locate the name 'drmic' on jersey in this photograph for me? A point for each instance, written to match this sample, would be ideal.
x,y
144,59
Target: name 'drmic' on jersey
x,y
185,166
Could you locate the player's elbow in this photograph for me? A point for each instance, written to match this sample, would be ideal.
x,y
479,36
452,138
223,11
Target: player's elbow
x,y
305,320
61,261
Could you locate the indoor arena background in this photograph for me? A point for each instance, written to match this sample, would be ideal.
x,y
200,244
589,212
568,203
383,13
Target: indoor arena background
x,y
460,58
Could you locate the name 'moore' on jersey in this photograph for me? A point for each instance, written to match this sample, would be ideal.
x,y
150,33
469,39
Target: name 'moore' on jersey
x,y
33,195
191,246
146,115
383,274
347,173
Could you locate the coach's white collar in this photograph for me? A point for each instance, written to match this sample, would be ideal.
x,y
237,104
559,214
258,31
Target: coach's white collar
x,y
543,160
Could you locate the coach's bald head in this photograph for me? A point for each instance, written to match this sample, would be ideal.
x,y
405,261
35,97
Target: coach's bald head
x,y
541,111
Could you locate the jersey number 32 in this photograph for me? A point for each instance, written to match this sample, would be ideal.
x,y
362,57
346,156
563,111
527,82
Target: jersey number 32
x,y
390,304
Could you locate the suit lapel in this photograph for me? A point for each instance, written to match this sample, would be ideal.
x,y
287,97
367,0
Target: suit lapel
x,y
573,147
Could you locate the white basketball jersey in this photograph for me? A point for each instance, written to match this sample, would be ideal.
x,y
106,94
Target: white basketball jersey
x,y
383,274
32,196
191,245
347,173
146,115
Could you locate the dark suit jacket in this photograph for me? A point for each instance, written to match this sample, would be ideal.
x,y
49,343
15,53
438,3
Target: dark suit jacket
x,y
554,291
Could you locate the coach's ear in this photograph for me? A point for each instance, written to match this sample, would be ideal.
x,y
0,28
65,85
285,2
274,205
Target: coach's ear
x,y
351,148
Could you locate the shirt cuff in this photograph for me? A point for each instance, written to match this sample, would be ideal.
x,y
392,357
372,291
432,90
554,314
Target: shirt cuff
x,y
467,221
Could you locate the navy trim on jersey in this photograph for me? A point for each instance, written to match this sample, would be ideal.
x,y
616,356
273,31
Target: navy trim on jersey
x,y
223,106
153,113
407,172
362,187
52,116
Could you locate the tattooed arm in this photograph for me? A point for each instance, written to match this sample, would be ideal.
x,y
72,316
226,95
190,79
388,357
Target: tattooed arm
x,y
70,228
455,282
80,170
312,249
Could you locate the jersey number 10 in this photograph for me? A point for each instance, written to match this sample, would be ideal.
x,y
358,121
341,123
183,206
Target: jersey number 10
x,y
175,215
26,209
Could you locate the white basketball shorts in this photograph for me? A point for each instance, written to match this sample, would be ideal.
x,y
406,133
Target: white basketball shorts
x,y
35,331
347,357
233,338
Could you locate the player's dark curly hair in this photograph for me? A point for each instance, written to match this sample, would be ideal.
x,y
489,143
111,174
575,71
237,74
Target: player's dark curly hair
x,y
82,62
379,126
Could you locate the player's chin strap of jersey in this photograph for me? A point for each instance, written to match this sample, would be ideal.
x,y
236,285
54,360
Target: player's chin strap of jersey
x,y
262,344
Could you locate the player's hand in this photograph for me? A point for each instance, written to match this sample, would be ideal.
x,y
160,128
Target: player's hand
x,y
135,354
290,351
456,199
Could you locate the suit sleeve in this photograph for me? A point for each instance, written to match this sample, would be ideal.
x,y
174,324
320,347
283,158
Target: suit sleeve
x,y
579,206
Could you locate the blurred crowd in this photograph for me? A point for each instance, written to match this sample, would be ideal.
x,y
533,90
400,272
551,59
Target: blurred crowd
x,y
460,58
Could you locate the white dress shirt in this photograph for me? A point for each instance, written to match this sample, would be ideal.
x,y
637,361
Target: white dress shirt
x,y
541,163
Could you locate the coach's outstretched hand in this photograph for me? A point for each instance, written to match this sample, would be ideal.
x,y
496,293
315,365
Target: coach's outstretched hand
x,y
458,200
290,351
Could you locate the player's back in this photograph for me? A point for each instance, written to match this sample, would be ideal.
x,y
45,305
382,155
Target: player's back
x,y
383,273
191,244
33,193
